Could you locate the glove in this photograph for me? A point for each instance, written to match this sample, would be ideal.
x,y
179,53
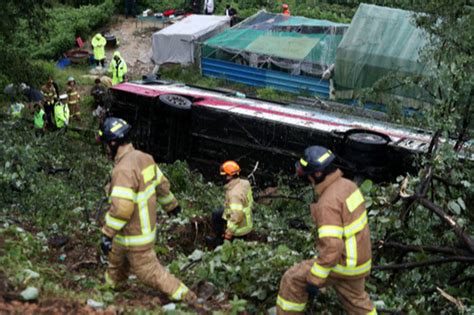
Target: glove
x,y
228,235
175,211
313,291
106,244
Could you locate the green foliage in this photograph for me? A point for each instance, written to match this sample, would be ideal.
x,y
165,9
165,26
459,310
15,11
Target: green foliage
x,y
29,30
65,24
47,179
249,269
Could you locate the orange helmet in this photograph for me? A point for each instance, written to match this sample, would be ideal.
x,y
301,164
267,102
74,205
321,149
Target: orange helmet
x,y
285,6
230,168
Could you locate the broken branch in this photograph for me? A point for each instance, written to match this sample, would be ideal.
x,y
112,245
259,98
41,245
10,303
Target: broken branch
x,y
421,248
438,261
458,230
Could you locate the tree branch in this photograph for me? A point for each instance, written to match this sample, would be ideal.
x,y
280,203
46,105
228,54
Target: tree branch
x,y
458,230
433,289
438,261
447,182
431,249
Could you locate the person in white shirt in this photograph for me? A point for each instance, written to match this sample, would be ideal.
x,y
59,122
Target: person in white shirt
x,y
209,7
231,12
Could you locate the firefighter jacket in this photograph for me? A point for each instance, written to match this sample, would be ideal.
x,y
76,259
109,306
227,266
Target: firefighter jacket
x,y
49,93
343,231
238,206
98,43
72,95
137,184
118,69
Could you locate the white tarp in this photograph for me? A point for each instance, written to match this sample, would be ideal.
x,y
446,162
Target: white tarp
x,y
176,43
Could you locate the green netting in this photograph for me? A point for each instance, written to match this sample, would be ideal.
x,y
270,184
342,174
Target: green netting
x,y
266,40
288,47
379,41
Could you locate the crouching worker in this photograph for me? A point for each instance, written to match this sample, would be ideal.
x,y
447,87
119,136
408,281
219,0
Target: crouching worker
x,y
130,223
39,120
343,243
234,220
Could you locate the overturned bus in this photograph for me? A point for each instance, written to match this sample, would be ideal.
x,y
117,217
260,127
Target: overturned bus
x,y
174,121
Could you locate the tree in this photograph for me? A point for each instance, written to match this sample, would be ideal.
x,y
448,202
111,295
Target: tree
x,y
15,64
439,195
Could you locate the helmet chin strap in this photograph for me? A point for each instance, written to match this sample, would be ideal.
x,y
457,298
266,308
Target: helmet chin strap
x,y
113,149
317,179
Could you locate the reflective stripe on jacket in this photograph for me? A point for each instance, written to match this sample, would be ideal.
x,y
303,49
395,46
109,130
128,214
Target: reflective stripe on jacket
x,y
118,69
344,238
61,114
39,119
49,92
72,95
98,44
238,206
137,183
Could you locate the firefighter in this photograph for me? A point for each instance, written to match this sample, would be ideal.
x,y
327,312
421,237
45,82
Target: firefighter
x,y
286,9
118,67
345,256
234,220
130,224
50,95
73,98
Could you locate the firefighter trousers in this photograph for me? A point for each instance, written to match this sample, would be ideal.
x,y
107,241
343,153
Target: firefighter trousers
x,y
147,268
293,296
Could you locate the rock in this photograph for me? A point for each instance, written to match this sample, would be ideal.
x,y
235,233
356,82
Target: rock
x,y
94,304
29,294
58,241
272,311
196,255
169,307
205,289
31,274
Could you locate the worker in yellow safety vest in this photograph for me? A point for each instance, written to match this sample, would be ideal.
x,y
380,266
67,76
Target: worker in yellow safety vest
x,y
234,220
130,224
39,119
118,67
343,244
61,112
98,45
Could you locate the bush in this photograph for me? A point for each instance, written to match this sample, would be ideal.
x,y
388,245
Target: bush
x,y
65,24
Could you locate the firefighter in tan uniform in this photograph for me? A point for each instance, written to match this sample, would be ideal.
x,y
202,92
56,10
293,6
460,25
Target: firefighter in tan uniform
x,y
234,220
345,256
50,94
130,224
73,98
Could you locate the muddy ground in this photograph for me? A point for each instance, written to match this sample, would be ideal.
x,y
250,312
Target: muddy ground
x,y
81,258
134,43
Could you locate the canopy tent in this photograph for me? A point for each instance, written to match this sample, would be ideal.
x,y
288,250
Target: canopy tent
x,y
293,44
176,43
380,41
